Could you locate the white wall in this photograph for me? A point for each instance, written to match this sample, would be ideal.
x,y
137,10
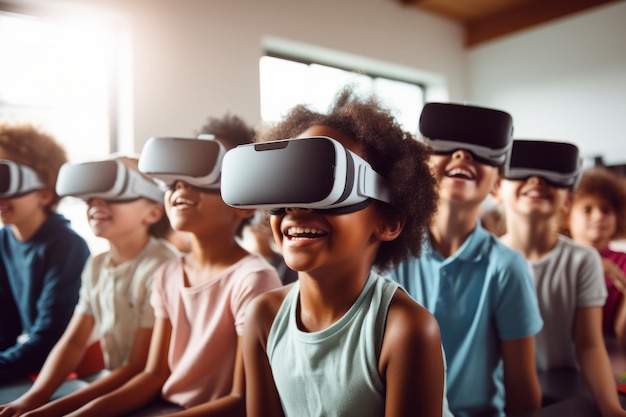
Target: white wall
x,y
561,81
194,58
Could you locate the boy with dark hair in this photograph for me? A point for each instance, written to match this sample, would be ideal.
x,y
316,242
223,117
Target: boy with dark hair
x,y
480,291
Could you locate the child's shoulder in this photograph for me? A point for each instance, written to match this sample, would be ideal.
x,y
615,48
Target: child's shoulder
x,y
254,270
161,249
57,226
499,253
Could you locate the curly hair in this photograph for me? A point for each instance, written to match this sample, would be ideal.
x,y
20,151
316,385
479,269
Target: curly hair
x,y
231,131
36,149
391,151
601,183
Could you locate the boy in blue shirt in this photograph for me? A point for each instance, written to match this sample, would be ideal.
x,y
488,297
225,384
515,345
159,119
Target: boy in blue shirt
x,y
41,256
480,291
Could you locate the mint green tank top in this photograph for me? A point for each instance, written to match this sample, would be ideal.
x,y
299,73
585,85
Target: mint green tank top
x,y
333,372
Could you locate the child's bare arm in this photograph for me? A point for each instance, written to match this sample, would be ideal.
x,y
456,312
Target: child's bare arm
x,y
411,362
521,384
262,398
594,360
63,359
108,383
144,387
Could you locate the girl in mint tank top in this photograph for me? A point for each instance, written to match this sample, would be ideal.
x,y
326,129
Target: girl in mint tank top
x,y
343,340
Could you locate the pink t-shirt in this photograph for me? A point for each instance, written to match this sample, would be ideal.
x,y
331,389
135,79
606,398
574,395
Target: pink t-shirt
x,y
615,296
206,322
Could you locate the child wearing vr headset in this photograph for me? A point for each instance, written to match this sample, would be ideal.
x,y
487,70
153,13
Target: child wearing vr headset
x,y
480,291
349,197
536,190
597,218
41,256
125,208
199,299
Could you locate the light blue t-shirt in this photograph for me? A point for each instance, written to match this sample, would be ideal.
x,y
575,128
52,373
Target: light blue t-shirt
x,y
480,295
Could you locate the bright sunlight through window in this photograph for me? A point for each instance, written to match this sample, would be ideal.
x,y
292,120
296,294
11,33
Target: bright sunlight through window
x,y
62,76
286,83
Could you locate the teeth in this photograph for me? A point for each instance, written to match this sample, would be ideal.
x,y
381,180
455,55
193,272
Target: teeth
x,y
304,231
181,200
99,216
535,194
460,172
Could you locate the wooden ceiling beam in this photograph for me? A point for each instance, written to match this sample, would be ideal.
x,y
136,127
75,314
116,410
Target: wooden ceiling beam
x,y
521,17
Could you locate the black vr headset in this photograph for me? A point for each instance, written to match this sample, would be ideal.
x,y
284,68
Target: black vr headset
x,y
486,133
557,162
197,162
315,172
17,179
109,180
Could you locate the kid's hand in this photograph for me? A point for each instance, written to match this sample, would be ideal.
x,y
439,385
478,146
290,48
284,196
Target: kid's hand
x,y
14,409
611,270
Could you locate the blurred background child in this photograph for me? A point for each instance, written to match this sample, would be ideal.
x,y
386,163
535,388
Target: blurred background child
x,y
41,256
195,365
114,302
568,277
596,218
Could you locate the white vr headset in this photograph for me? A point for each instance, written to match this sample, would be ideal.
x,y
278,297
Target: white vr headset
x,y
486,133
17,179
197,162
109,180
558,163
314,172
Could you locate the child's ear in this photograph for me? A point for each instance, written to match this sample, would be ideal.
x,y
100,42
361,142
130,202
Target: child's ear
x,y
495,190
389,229
567,204
156,212
45,197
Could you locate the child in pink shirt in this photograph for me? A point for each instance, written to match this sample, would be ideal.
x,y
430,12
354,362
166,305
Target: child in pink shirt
x,y
195,361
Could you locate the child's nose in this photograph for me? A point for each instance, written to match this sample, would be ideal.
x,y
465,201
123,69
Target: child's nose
x,y
94,202
180,184
536,180
297,209
462,154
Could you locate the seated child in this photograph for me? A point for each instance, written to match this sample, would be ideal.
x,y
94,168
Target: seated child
x,y
41,256
568,277
480,291
341,340
126,208
596,218
199,299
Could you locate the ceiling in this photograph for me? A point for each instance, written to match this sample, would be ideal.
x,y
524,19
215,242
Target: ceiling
x,y
485,20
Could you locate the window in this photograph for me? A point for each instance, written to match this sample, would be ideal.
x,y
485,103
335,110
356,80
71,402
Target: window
x,y
286,82
63,74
